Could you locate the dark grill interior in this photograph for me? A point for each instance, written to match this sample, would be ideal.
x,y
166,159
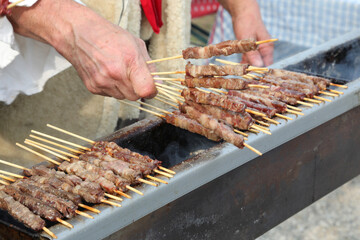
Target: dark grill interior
x,y
339,64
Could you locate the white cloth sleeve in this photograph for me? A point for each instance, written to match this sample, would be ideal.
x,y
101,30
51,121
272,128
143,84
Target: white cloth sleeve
x,y
25,64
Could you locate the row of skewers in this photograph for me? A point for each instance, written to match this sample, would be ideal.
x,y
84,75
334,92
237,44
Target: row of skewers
x,y
81,176
210,103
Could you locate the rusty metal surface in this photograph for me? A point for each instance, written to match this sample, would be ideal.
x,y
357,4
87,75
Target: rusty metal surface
x,y
258,195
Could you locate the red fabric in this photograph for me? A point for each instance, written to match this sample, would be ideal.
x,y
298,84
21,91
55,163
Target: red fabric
x,y
201,8
152,10
3,8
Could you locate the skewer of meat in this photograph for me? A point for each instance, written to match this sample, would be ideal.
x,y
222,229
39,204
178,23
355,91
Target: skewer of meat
x,y
90,172
21,213
33,204
182,121
279,106
89,191
223,48
215,82
66,208
215,70
223,130
322,83
242,121
213,99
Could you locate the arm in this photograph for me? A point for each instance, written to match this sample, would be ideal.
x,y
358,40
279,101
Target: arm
x,y
247,23
109,60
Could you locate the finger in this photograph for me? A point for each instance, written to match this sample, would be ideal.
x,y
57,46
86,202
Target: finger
x,y
267,53
254,58
142,80
127,91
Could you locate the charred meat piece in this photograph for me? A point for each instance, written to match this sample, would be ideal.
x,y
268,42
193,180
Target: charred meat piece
x,y
307,89
268,111
182,121
274,95
65,207
215,82
279,106
89,191
239,120
321,83
215,70
225,131
20,212
33,204
224,48
192,94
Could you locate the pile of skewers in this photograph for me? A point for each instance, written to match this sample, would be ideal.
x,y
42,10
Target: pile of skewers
x,y
83,175
218,107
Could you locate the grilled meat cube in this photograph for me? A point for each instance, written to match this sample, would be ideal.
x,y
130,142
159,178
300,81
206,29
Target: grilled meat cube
x,y
20,212
215,70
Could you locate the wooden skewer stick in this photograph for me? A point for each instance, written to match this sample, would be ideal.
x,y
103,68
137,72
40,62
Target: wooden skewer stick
x,y
143,109
55,144
122,194
156,179
148,182
282,116
94,210
255,112
168,87
164,59
334,91
267,41
257,86
169,94
11,174
167,73
134,190
260,129
226,62
305,104
271,120
13,165
163,173
160,100
241,133
167,170
11,5
110,203
61,140
50,233
294,112
84,214
71,134
169,79
253,149
329,94
312,100
323,99
338,85
38,154
51,148
262,123
252,68
4,183
7,178
157,108
294,108
253,130
167,97
65,223
48,151
114,197
218,90
177,85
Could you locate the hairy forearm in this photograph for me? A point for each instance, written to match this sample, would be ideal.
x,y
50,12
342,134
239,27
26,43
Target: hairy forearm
x,y
238,7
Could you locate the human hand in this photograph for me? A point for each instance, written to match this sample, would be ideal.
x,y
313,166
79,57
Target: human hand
x,y
109,60
247,23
